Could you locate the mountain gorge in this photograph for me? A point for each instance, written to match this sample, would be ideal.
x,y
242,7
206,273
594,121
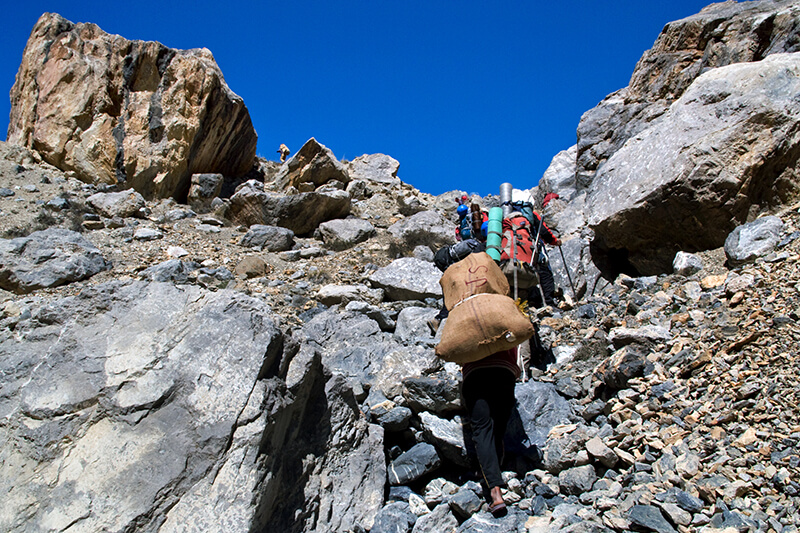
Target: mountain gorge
x,y
193,338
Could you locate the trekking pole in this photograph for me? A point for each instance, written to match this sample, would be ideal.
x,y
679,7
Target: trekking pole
x,y
536,259
566,269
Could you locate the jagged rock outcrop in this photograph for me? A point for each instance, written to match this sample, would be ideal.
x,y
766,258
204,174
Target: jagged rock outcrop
x,y
658,166
126,112
313,164
302,213
162,408
684,183
721,34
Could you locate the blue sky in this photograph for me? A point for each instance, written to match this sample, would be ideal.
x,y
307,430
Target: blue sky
x,y
465,95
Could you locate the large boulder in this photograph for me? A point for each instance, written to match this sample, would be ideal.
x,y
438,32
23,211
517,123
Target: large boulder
x,y
721,34
689,179
146,406
302,213
375,168
128,112
314,163
48,258
408,278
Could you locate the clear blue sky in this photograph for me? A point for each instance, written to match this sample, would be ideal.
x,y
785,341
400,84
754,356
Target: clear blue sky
x,y
465,95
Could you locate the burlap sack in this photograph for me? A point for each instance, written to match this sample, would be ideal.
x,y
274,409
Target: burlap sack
x,y
481,325
475,274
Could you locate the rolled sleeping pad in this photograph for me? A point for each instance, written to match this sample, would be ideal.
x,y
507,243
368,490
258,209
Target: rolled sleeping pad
x,y
494,237
506,193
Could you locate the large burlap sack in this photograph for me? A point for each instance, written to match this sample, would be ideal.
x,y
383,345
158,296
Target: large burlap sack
x,y
481,325
475,274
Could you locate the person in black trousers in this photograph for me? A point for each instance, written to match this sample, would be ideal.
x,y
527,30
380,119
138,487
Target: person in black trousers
x,y
488,392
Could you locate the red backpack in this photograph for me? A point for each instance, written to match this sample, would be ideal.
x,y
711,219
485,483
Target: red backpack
x,y
518,248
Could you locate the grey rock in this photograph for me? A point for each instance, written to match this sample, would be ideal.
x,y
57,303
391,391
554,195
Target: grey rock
x,y
750,241
344,294
686,264
650,518
342,234
418,461
688,502
412,324
270,238
437,395
47,258
408,278
202,191
147,234
173,270
465,503
376,168
426,228
672,208
58,204
539,409
354,345
447,436
577,480
424,253
117,204
395,419
394,518
438,520
302,213
625,364
646,334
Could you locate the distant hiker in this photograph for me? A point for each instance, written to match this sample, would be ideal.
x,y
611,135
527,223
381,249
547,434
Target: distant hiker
x,y
549,196
284,151
543,265
488,391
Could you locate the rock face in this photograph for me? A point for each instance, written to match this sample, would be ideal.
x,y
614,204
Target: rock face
x,y
128,112
690,161
702,140
150,406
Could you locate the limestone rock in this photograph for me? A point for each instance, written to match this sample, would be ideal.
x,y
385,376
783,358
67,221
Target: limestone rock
x,y
341,234
750,241
681,184
426,228
302,213
47,258
270,238
375,168
686,264
203,189
408,278
117,204
129,112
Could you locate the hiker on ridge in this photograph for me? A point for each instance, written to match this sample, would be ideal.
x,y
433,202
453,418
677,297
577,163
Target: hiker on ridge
x,y
284,151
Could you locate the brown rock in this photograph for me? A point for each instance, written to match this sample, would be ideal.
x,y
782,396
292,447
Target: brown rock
x,y
132,112
314,163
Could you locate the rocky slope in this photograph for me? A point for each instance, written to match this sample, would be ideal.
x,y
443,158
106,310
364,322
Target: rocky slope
x,y
259,359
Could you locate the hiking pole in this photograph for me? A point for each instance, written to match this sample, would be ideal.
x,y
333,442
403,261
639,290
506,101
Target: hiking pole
x,y
566,269
536,259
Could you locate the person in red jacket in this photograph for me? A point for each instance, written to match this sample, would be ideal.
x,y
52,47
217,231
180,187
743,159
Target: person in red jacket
x,y
488,392
543,265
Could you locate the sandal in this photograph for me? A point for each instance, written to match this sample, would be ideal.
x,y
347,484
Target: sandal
x,y
498,509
